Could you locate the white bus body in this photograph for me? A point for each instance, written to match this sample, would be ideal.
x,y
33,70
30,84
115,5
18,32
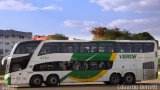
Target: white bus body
x,y
59,61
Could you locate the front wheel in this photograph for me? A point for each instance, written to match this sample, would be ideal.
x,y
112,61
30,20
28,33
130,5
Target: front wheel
x,y
36,81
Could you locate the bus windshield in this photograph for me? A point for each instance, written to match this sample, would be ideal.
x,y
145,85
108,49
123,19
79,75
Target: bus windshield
x,y
26,47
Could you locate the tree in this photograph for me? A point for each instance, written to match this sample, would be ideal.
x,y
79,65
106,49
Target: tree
x,y
57,37
104,33
143,36
98,33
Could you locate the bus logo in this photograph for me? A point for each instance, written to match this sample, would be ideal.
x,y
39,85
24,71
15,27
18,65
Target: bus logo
x,y
128,56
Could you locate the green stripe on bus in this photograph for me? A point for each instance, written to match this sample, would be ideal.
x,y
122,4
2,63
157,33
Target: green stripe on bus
x,y
91,56
84,74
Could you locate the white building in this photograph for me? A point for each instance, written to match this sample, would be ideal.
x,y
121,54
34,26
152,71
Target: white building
x,y
9,37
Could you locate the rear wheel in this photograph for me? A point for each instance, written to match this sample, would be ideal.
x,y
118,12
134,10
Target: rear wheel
x,y
129,78
115,79
52,80
36,81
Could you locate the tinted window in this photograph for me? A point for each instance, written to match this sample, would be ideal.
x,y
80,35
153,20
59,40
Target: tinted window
x,y
148,47
48,48
137,47
105,47
123,47
69,47
67,65
26,47
86,47
93,47
19,63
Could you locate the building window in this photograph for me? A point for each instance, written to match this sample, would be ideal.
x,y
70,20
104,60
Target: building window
x,y
1,51
6,36
6,50
1,43
13,42
13,36
6,43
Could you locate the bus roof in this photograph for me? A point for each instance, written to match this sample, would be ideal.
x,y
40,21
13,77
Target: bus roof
x,y
99,41
45,41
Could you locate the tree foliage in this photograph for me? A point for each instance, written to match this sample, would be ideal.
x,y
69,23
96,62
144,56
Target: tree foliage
x,y
103,33
57,37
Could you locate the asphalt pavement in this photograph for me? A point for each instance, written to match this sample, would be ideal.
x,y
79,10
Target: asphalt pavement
x,y
91,86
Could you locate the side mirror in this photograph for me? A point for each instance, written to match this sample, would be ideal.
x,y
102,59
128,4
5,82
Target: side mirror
x,y
4,59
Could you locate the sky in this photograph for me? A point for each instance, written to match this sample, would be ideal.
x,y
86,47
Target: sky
x,y
76,18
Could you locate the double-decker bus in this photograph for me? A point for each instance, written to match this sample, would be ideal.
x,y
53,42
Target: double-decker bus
x,y
61,61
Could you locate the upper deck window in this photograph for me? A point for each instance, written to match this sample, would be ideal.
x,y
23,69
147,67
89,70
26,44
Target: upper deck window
x,y
123,47
69,47
137,47
148,47
88,47
108,47
48,48
26,47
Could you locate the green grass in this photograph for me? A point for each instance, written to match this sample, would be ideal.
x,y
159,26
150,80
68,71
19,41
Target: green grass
x,y
158,77
1,77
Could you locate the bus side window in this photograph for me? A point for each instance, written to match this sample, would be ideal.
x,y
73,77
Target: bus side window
x,y
83,66
93,65
16,67
67,48
105,65
119,48
148,47
84,48
49,48
124,47
93,48
109,47
76,65
101,48
127,47
137,47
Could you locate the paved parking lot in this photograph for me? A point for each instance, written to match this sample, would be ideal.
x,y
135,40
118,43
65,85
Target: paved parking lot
x,y
146,85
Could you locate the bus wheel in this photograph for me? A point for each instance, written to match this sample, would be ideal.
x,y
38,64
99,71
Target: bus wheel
x,y
36,81
52,80
115,79
129,78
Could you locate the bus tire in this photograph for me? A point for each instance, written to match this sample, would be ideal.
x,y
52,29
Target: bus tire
x,y
36,81
129,78
52,80
115,79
